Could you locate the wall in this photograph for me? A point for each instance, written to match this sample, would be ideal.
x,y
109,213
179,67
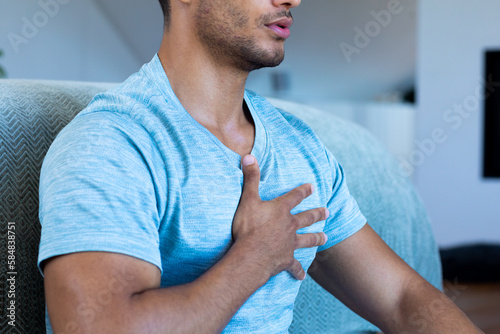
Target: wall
x,y
453,34
109,39
62,40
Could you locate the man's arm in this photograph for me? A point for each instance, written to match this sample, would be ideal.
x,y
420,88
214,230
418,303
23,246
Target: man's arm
x,y
368,277
98,292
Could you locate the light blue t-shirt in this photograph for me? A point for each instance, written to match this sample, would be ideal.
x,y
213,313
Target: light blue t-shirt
x,y
135,174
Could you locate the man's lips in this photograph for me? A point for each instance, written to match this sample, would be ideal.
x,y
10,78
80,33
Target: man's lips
x,y
281,27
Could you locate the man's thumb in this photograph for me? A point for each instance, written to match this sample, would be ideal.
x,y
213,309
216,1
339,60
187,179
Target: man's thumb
x,y
251,174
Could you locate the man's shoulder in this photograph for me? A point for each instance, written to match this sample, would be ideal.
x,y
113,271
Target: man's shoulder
x,y
136,92
118,117
142,94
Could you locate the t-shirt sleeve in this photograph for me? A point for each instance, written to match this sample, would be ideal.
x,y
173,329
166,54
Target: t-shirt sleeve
x,y
98,191
345,217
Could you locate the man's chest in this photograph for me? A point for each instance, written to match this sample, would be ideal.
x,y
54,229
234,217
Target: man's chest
x,y
204,190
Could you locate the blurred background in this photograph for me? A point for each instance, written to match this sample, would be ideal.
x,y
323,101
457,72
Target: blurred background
x,y
412,72
363,60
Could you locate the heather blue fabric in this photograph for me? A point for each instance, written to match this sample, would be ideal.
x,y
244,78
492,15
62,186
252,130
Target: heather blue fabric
x,y
135,174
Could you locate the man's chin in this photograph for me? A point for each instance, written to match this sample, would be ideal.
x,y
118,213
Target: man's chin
x,y
257,64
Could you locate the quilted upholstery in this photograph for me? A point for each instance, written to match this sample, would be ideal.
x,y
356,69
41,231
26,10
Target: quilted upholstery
x,y
31,115
33,112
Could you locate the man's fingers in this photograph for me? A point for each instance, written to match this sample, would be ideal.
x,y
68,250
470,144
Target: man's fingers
x,y
251,176
309,217
309,240
297,195
296,270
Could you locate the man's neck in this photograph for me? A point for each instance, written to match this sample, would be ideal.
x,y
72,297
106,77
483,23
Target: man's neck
x,y
210,92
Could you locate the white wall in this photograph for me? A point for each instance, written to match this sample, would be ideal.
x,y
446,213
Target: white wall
x,y
453,34
62,40
109,39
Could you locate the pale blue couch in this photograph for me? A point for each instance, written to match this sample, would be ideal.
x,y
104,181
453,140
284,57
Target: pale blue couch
x,y
33,112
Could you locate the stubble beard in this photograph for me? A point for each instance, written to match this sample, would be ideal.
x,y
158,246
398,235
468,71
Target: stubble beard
x,y
225,45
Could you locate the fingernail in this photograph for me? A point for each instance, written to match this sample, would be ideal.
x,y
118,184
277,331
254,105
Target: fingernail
x,y
327,214
312,188
326,238
248,160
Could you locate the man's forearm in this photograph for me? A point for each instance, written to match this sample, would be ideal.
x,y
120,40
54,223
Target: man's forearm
x,y
383,289
424,309
205,305
76,283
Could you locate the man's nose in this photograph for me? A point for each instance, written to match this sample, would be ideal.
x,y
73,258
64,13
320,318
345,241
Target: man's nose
x,y
286,3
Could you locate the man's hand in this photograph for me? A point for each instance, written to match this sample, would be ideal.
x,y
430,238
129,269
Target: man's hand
x,y
268,227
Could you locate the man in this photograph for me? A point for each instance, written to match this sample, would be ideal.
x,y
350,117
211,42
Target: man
x,y
172,203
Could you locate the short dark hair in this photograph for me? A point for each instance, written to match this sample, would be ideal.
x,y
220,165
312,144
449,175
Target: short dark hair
x,y
165,7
